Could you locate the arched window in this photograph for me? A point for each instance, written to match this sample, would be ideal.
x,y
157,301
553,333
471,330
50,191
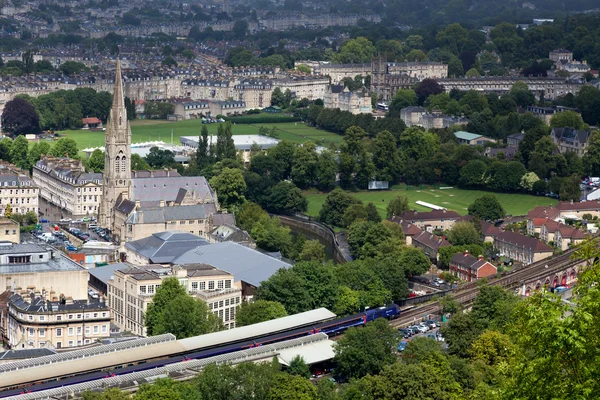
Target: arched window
x,y
117,162
123,163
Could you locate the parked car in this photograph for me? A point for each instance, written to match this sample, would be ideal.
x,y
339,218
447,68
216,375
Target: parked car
x,y
402,345
44,221
431,323
65,220
413,329
70,247
422,328
406,333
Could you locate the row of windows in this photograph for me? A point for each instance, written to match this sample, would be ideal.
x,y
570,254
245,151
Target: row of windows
x,y
16,200
33,191
70,317
70,331
221,284
87,190
224,303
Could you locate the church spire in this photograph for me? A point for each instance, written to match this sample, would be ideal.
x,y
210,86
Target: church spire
x,y
118,98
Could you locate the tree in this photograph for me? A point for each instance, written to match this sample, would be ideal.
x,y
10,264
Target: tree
x,y
203,157
385,157
284,198
225,147
591,158
354,213
472,73
290,387
250,213
366,350
463,232
18,153
426,88
185,316
258,311
417,144
35,152
567,119
336,203
159,158
96,161
108,394
8,211
72,67
396,206
521,94
270,235
28,63
372,213
169,61
487,208
569,188
312,250
138,163
20,117
170,289
230,187
414,261
473,174
402,99
164,388
326,171
299,367
304,166
492,348
65,147
528,181
353,51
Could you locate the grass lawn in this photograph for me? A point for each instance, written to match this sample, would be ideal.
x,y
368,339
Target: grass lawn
x,y
453,199
157,130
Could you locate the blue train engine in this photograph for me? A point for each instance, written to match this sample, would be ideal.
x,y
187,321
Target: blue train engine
x,y
390,312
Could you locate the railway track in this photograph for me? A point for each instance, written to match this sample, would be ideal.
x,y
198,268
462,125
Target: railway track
x,y
466,294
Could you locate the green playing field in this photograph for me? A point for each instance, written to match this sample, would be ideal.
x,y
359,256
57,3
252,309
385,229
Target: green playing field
x,y
452,199
160,130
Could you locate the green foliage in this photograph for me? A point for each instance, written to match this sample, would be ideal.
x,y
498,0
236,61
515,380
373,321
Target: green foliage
x,y
569,119
591,159
359,50
464,232
18,152
366,350
20,118
487,208
230,187
285,198
335,206
258,311
299,367
96,161
270,235
72,67
138,163
396,206
312,250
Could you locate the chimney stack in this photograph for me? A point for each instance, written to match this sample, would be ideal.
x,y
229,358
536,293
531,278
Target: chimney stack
x,y
480,257
466,253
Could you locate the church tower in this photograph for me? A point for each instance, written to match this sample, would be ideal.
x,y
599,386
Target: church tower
x,y
117,164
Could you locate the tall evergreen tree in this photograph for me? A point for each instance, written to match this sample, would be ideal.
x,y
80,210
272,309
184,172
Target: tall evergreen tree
x,y
225,147
203,157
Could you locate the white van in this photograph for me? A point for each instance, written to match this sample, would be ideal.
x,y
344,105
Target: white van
x,y
92,226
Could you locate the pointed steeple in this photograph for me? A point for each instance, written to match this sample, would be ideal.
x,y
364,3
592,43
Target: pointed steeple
x,y
118,98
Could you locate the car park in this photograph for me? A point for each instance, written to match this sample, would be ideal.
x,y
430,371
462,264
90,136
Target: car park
x,y
413,329
422,328
406,333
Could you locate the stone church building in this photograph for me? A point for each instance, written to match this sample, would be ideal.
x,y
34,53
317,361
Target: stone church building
x,y
137,204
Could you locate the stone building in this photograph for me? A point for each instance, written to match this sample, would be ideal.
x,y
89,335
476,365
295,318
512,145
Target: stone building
x,y
18,190
569,139
354,102
388,78
521,248
132,288
34,322
550,87
63,181
559,55
10,231
137,204
546,113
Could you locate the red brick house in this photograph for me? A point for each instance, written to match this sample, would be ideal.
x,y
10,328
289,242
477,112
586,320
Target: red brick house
x,y
468,268
434,219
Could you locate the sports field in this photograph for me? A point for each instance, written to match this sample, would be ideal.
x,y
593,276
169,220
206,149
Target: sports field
x,y
453,199
160,130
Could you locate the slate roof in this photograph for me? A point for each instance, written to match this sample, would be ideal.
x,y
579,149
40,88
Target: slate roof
x,y
523,241
26,354
245,264
408,228
433,215
153,189
487,229
39,305
161,215
164,247
430,240
467,135
570,135
106,272
466,260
